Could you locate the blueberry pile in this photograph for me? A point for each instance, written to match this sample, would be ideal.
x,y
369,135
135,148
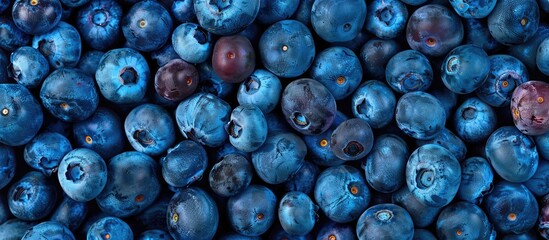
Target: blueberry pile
x,y
274,119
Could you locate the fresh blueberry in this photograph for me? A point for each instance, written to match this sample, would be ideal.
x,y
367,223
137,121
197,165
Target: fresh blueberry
x,y
33,197
318,145
36,16
465,69
231,175
14,229
82,174
476,180
70,213
111,228
450,141
28,67
303,12
274,11
375,54
247,128
48,230
191,42
183,10
192,214
297,213
18,106
62,45
529,108
414,2
154,234
473,9
422,234
338,20
277,232
477,33
176,80
210,82
7,165
304,179
422,215
352,139
225,17
409,71
333,230
374,102
12,37
521,21
154,217
461,220
253,211
388,220
150,129
45,151
542,57
184,164
386,163
543,225
236,236
474,120
262,89
144,19
386,18
226,149
99,23
539,183
448,98
89,61
420,115
233,58
527,51
74,3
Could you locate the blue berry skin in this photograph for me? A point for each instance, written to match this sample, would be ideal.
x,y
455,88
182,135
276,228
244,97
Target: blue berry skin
x,y
474,120
247,128
111,228
304,179
297,213
44,152
414,2
4,211
69,95
89,61
74,3
513,155
18,106
386,163
506,73
36,19
225,18
542,57
154,234
338,230
144,19
236,236
201,117
62,45
448,99
183,11
521,19
542,143
338,20
420,115
185,222
287,48
511,208
123,75
33,197
102,132
48,230
477,33
423,215
262,89
450,141
274,11
7,165
99,23
192,43
388,220
164,55
184,164
150,129
82,174
530,235
210,82
70,213
231,175
277,232
339,70
465,69
355,43
477,179
409,71
318,146
14,229
4,5
132,184
386,19
28,67
226,149
308,106
433,175
303,12
463,219
375,54
280,157
12,37
527,51
422,234
253,211
342,193
154,217
539,183
473,9
352,139
374,102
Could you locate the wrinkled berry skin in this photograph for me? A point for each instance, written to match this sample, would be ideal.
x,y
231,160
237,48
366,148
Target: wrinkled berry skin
x,y
70,213
511,208
374,102
308,106
36,19
386,19
233,58
231,175
13,37
48,230
342,193
409,71
253,211
297,213
176,80
192,214
529,109
474,120
132,184
388,220
7,165
184,164
423,215
461,218
386,163
434,30
477,178
465,69
375,54
352,139
506,74
225,17
433,175
262,89
33,197
150,129
520,18
192,43
202,117
513,155
247,128
143,20
18,105
473,9
287,48
420,115
113,227
280,157
338,20
82,174
62,45
28,67
44,152
539,183
99,23
69,94
450,141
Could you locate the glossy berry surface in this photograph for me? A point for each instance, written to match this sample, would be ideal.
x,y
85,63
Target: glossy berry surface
x,y
474,120
146,18
522,21
473,9
262,89
36,17
409,71
233,58
297,213
420,115
183,219
465,69
110,228
506,74
28,67
247,128
352,139
463,219
528,108
62,46
386,19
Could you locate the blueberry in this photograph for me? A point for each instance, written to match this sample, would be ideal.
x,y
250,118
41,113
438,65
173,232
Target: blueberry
x,y
62,46
225,17
420,115
463,219
352,139
184,164
512,154
15,228
374,102
233,58
528,107
144,19
89,61
527,51
74,3
183,219
277,232
154,235
183,10
304,179
409,71
386,163
247,128
542,142
297,213
303,12
7,165
70,213
342,193
262,89
253,211
473,9
318,145
191,42
542,57
36,17
474,120
448,140
476,180
521,21
422,234
226,149
28,67
12,37
165,54
18,106
231,175
154,217
422,215
388,220
82,174
465,69
375,54
334,230
111,228
543,218
338,20
150,129
44,152
386,19
33,197
48,230
176,80
99,23
210,82
477,33
539,183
